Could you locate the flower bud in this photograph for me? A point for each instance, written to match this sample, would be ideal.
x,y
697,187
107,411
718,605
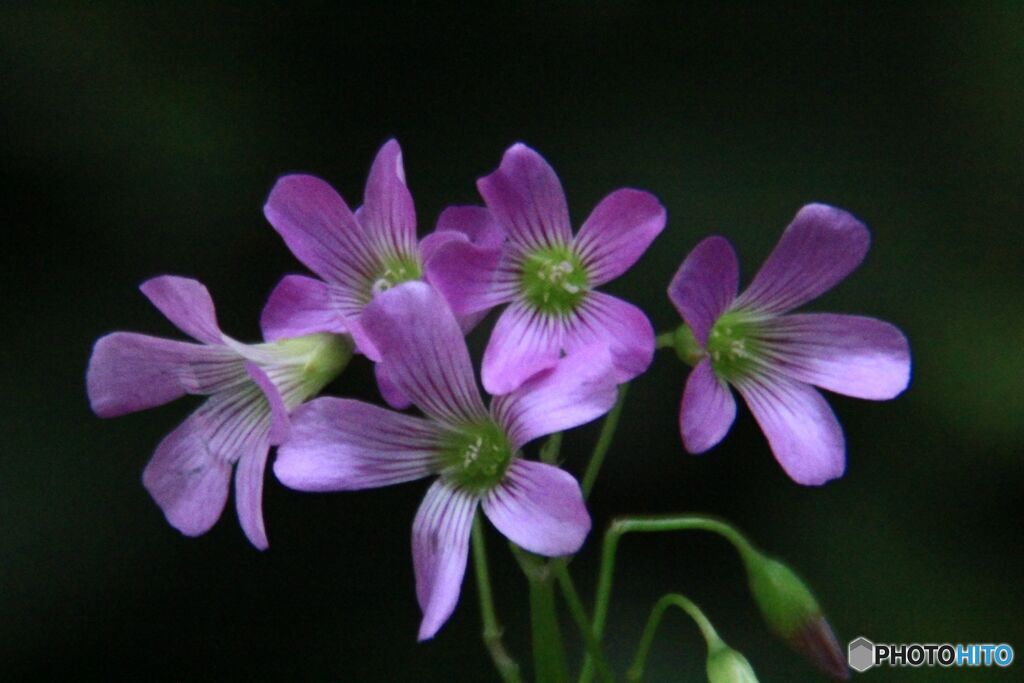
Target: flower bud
x,y
726,665
792,613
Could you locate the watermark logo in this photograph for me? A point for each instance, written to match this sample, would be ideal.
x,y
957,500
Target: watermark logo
x,y
862,654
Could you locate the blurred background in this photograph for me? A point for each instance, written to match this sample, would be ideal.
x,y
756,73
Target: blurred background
x,y
141,139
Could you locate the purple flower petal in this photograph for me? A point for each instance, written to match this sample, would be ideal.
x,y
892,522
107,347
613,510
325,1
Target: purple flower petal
x,y
579,388
526,198
847,354
424,352
189,483
279,422
475,222
624,328
820,248
388,216
802,430
235,421
321,231
705,285
249,496
187,304
469,321
707,411
129,372
539,508
618,232
440,546
393,396
299,306
523,343
472,278
345,445
363,341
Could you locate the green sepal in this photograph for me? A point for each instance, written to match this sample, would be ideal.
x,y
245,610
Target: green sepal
x,y
686,346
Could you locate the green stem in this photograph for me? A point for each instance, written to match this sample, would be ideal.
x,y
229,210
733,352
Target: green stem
x,y
665,340
551,448
624,525
579,615
548,651
507,667
636,670
604,442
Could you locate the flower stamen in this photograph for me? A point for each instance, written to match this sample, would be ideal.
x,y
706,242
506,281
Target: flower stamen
x,y
476,456
734,345
554,280
394,271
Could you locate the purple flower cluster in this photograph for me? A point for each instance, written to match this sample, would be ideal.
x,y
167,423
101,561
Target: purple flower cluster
x,y
558,351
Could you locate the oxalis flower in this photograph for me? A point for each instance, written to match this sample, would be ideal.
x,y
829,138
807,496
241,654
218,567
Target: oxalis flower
x,y
251,389
343,445
549,275
772,356
357,254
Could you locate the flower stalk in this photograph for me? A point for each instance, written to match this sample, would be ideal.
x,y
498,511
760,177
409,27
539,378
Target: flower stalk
x,y
788,607
551,450
507,667
548,650
604,442
724,664
579,614
624,525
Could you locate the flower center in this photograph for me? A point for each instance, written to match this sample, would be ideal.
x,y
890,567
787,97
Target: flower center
x,y
394,270
734,345
554,280
477,456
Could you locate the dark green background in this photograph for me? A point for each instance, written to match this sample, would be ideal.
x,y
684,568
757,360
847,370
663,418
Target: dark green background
x,y
143,140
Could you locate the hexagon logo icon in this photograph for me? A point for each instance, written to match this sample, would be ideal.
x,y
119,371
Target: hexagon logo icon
x,y
861,654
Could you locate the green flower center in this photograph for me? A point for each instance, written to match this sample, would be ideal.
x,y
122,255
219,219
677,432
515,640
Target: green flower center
x,y
476,456
554,280
394,270
734,345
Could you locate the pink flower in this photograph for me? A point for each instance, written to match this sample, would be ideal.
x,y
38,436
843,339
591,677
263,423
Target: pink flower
x,y
357,254
773,357
342,445
251,389
548,275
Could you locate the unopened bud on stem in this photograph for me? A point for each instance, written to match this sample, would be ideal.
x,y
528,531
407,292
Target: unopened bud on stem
x,y
726,665
791,612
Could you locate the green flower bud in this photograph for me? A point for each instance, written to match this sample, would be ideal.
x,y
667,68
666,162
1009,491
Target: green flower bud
x,y
726,665
792,613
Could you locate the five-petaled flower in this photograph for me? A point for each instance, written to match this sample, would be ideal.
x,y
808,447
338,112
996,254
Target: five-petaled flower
x,y
251,389
549,275
339,444
358,254
772,356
